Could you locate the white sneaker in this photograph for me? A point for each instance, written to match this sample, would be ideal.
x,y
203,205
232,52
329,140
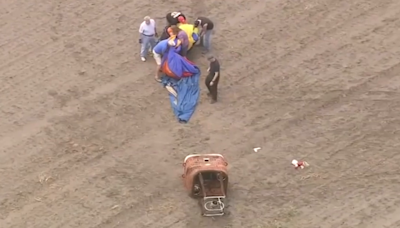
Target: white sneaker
x,y
143,59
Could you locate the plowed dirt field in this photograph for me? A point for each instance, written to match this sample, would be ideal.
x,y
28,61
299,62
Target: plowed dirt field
x,y
88,139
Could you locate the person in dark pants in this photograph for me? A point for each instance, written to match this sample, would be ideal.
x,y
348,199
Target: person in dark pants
x,y
212,78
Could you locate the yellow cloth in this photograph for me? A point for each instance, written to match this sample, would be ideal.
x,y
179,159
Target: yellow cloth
x,y
189,29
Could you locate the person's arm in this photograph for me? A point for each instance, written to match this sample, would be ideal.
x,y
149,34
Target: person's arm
x,y
216,74
204,29
180,40
215,70
155,27
141,28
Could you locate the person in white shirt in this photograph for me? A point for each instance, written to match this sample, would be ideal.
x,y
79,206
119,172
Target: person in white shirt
x,y
148,34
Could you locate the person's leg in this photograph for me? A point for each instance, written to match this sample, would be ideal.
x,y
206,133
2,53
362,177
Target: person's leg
x,y
152,43
214,94
207,40
144,49
207,82
157,58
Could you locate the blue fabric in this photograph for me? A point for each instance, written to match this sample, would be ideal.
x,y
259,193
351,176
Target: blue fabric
x,y
188,91
195,37
178,64
161,47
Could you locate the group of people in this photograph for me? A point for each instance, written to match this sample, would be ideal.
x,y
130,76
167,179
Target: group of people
x,y
186,35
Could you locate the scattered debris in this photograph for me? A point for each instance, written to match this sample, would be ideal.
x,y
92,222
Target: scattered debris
x,y
299,164
43,179
115,207
257,149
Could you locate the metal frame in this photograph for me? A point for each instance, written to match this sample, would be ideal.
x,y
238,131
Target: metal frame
x,y
212,205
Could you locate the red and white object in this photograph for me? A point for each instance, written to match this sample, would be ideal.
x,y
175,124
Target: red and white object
x,y
299,164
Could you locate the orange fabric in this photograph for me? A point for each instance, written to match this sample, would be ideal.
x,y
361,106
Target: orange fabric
x,y
165,69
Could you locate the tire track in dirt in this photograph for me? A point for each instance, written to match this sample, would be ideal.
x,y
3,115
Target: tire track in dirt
x,y
6,140
175,217
86,162
111,88
371,83
334,102
311,108
101,17
120,217
334,99
324,38
61,164
242,80
118,221
364,190
199,8
374,160
371,164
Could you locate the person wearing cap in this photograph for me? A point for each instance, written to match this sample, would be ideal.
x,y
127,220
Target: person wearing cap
x,y
183,39
148,34
212,78
181,20
207,27
172,18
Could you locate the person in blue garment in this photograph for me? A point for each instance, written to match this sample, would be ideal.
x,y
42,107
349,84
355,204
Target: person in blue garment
x,y
158,52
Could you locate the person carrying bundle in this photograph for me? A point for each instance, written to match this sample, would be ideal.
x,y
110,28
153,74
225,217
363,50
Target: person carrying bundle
x,y
159,50
183,39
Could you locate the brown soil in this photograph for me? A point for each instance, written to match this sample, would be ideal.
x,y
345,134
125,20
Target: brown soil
x,y
88,139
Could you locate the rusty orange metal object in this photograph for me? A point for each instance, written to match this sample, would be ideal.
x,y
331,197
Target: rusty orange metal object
x,y
205,177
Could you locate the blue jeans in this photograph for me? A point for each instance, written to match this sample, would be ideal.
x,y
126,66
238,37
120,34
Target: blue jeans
x,y
148,43
207,40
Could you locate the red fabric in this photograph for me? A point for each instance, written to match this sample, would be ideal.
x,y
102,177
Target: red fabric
x,y
181,19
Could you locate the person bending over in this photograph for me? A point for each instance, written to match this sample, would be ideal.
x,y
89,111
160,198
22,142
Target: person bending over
x,y
158,51
207,27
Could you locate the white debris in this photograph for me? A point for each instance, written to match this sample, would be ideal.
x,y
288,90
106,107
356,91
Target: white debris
x,y
299,164
257,149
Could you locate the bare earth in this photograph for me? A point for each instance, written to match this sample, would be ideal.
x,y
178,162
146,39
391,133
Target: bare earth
x,y
88,139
